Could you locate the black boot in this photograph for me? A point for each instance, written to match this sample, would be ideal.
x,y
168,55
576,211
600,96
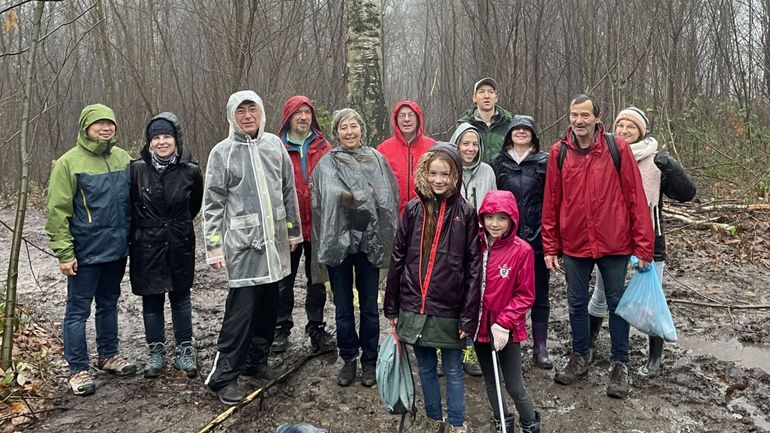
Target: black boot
x,y
655,357
532,426
596,326
539,348
510,424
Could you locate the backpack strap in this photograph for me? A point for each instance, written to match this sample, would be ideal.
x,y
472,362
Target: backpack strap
x,y
613,147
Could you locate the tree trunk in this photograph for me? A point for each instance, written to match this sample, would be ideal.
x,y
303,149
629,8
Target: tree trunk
x,y
21,203
364,66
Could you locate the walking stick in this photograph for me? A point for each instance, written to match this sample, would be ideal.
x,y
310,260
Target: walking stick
x,y
495,363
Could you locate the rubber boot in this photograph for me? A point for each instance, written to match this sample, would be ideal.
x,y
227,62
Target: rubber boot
x,y
654,360
540,348
531,427
595,326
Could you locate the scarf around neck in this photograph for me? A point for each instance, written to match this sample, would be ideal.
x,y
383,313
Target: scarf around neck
x,y
644,151
161,164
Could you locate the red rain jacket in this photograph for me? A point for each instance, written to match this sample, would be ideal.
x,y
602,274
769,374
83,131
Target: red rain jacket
x,y
591,210
403,156
509,289
317,148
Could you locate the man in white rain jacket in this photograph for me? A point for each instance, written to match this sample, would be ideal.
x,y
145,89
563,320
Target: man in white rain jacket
x,y
250,222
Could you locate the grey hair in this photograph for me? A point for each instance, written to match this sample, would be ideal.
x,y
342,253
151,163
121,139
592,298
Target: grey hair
x,y
346,113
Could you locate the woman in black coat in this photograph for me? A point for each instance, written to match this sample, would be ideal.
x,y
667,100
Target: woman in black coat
x,y
166,193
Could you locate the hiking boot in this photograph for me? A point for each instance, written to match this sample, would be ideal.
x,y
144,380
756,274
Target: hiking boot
x,y
618,386
281,340
184,359
439,364
458,429
230,394
321,341
471,363
654,360
540,348
368,377
347,373
82,383
576,367
156,361
430,425
529,427
262,373
116,365
595,325
509,424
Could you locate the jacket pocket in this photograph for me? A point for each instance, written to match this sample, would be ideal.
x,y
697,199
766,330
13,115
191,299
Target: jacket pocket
x,y
245,232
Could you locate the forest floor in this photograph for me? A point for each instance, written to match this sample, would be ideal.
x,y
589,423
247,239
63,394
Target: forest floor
x,y
715,379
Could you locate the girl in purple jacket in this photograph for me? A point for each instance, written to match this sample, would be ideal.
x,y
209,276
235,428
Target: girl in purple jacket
x,y
432,292
507,293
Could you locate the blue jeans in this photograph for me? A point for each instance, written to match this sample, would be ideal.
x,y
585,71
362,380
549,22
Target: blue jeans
x,y
154,318
452,362
578,274
102,283
367,283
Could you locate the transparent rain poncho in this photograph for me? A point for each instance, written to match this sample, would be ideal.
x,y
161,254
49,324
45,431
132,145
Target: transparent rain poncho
x,y
250,211
355,207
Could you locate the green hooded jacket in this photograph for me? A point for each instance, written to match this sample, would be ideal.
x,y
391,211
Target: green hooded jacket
x,y
89,205
492,135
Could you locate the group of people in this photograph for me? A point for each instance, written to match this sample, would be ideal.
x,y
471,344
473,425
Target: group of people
x,y
468,231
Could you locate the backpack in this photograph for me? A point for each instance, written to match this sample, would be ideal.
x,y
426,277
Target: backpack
x,y
395,383
610,144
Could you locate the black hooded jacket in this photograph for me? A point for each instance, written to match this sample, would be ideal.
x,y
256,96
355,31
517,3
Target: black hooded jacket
x,y
163,205
526,181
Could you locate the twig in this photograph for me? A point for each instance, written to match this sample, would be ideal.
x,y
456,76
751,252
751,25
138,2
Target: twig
x,y
17,415
729,307
690,288
28,241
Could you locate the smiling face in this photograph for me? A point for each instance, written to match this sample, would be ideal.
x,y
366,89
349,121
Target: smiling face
x,y
468,147
247,117
299,122
521,136
349,133
628,130
102,129
163,145
439,176
583,120
497,224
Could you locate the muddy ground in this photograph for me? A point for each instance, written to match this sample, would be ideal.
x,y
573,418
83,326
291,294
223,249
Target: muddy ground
x,y
690,395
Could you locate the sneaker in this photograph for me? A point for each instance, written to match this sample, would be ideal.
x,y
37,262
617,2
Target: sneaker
x,y
82,383
347,373
321,341
281,340
458,429
576,367
431,425
116,365
184,359
368,375
230,394
618,386
156,361
471,363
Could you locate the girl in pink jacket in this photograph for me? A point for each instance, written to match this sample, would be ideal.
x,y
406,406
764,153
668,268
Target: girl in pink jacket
x,y
508,292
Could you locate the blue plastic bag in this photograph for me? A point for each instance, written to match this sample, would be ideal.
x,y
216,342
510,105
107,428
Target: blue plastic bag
x,y
394,376
644,306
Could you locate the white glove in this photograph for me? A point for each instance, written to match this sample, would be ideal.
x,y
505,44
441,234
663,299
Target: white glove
x,y
499,336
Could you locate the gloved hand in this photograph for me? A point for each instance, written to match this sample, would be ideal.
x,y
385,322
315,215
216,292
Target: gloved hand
x,y
499,336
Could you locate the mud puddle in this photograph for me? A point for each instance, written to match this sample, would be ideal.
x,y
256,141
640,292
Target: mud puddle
x,y
749,355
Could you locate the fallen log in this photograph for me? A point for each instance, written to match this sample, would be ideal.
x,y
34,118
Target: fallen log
x,y
712,305
704,224
754,206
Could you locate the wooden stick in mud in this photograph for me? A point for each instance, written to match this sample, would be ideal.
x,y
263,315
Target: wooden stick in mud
x,y
703,224
731,307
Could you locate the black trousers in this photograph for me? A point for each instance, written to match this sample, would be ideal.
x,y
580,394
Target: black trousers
x,y
247,332
541,309
315,300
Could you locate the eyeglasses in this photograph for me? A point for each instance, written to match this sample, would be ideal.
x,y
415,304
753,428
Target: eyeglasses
x,y
404,116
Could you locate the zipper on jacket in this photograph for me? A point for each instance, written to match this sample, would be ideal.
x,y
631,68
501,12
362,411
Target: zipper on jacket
x,y
85,205
432,253
409,182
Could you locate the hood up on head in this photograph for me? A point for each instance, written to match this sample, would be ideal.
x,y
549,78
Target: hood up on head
x,y
89,115
394,119
526,121
457,135
421,174
501,201
236,99
290,107
182,151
